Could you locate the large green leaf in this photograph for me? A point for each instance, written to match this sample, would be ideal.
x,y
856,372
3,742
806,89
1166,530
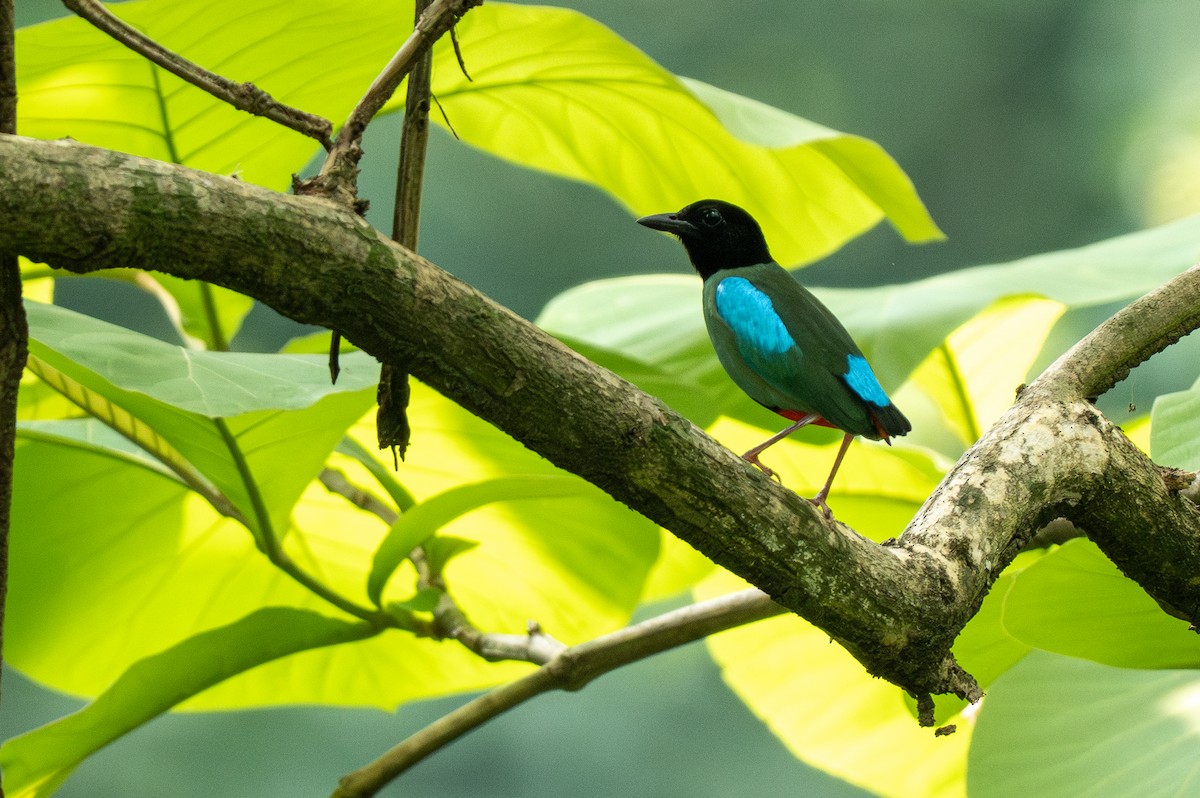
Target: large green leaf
x,y
572,559
35,763
830,712
1175,429
551,89
1074,601
1055,726
257,427
556,91
154,564
973,375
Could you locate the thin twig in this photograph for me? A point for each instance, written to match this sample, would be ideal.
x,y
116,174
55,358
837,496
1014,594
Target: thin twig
x,y
337,175
392,429
243,96
462,64
571,669
414,136
449,621
336,482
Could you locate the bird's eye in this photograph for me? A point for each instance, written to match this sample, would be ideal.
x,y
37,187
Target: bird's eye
x,y
711,217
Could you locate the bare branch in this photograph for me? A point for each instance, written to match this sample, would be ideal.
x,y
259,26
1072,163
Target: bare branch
x,y
336,482
337,176
14,329
1106,355
571,669
243,96
8,69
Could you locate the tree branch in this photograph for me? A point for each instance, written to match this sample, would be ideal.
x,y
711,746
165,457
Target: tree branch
x,y
896,608
570,669
243,96
337,176
14,330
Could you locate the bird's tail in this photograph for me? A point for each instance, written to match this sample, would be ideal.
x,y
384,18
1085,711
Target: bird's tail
x,y
889,422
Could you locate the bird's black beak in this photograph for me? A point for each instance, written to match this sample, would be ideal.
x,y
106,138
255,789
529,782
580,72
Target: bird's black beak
x,y
668,223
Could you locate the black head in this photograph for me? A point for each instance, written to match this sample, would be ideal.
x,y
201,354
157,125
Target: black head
x,y
716,234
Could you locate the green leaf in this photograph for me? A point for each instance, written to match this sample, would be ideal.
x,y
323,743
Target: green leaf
x,y
257,427
215,384
973,375
898,325
1074,601
1175,429
378,471
835,716
35,763
37,281
424,600
1055,726
864,163
205,316
441,550
572,559
153,565
829,712
421,522
984,648
552,90
156,556
557,91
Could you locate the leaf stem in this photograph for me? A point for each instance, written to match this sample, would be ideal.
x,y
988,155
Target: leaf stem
x,y
216,334
960,393
270,545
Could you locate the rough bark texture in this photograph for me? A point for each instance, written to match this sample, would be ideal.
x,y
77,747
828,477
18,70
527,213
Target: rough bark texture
x,y
896,608
14,330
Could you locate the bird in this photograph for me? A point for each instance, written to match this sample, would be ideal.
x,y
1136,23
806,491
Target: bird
x,y
776,340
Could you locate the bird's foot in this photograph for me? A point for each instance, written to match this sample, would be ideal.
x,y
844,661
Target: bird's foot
x,y
752,459
819,502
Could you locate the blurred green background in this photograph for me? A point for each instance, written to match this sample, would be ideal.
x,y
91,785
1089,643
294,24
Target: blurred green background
x,y
1026,126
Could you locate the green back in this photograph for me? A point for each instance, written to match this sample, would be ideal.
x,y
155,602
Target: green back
x,y
807,377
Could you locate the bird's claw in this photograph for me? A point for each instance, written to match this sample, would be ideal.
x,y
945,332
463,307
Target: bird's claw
x,y
752,460
819,502
823,507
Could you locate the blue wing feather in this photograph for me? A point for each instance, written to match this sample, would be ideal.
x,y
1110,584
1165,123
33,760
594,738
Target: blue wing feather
x,y
763,347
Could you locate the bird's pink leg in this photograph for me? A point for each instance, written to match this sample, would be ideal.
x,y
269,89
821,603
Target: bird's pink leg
x,y
752,455
819,499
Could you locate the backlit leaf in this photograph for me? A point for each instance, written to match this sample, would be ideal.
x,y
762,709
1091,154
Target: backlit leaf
x,y
1056,726
1074,601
